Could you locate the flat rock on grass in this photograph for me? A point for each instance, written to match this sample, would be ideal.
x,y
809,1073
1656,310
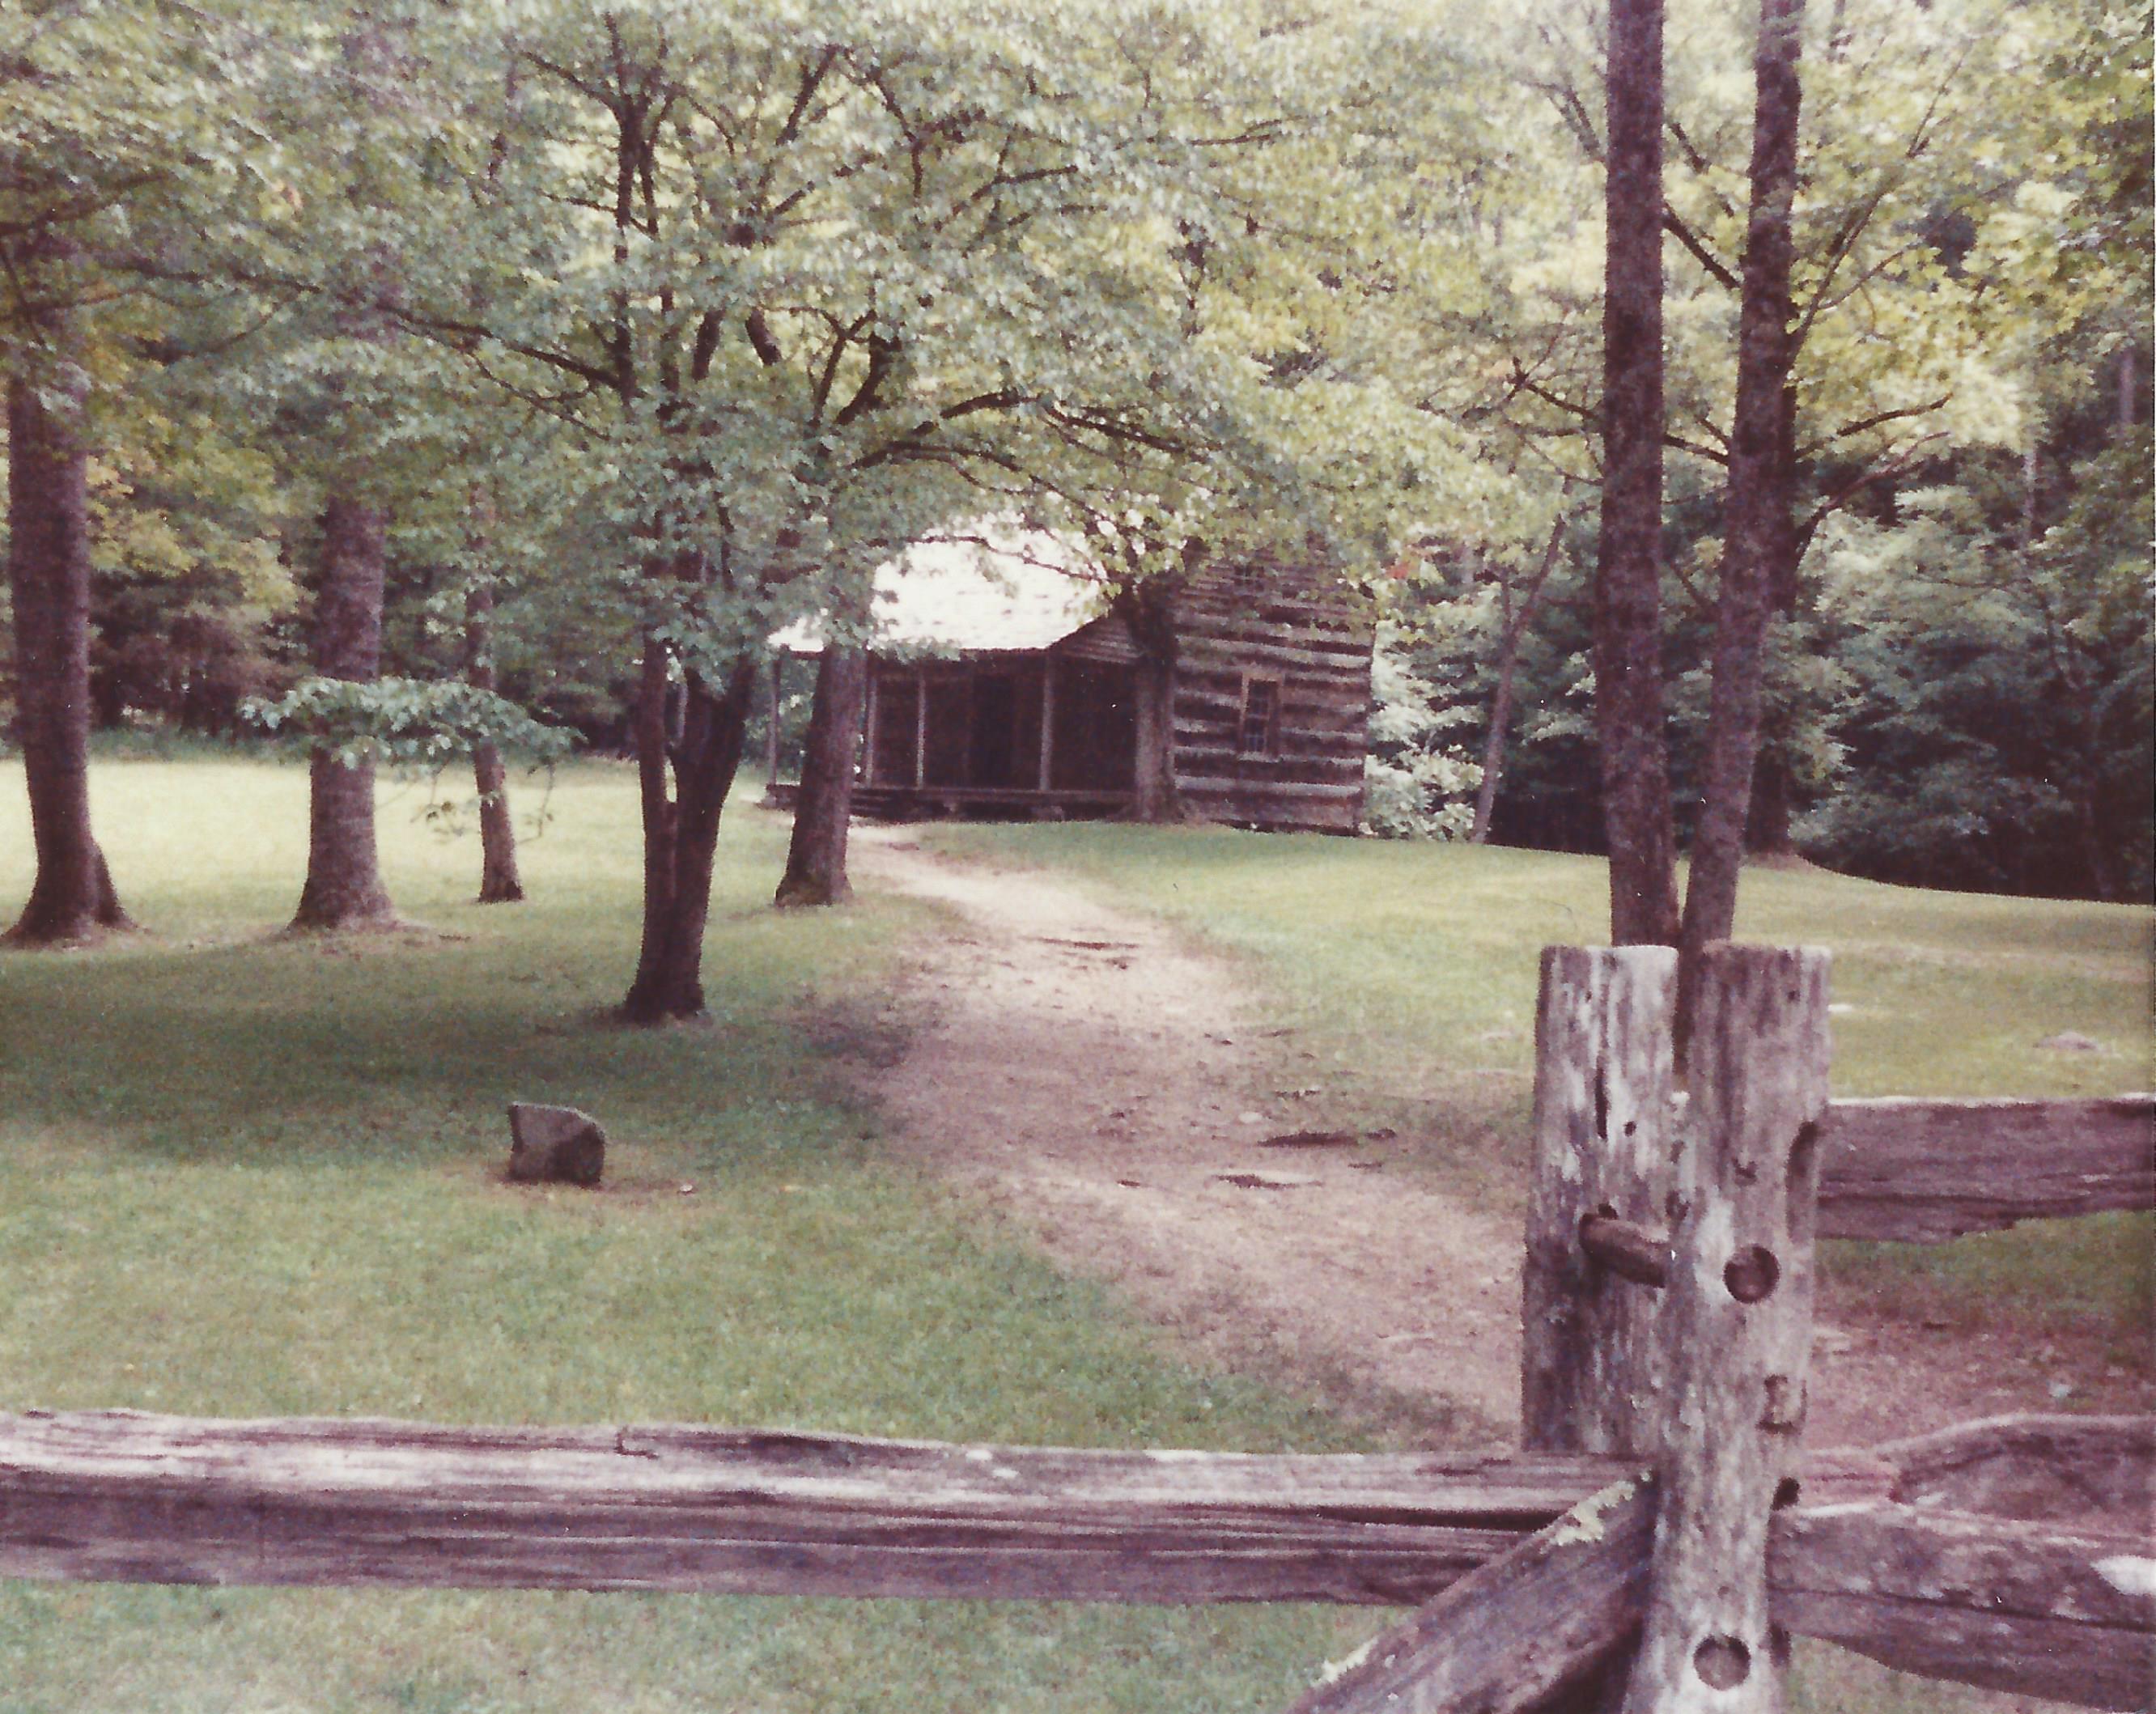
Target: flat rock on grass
x,y
554,1146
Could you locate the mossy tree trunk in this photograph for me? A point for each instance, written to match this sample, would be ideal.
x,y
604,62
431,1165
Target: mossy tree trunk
x,y
684,785
499,883
823,809
344,888
72,897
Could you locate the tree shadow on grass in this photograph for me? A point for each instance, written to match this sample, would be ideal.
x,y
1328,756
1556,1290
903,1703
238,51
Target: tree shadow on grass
x,y
272,1051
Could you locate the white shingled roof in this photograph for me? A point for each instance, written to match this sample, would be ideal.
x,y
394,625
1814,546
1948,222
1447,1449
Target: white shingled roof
x,y
994,585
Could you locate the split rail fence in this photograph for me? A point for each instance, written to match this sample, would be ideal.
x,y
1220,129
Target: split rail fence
x,y
1651,1549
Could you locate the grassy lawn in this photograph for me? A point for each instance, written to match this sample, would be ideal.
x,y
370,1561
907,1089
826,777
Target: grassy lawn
x,y
250,1176
245,1176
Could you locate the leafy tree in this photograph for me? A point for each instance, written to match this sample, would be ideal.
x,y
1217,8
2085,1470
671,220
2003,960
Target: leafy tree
x,y
802,290
1997,715
87,130
1416,781
1907,306
190,586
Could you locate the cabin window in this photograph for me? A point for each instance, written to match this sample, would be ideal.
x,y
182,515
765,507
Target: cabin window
x,y
1247,580
1258,733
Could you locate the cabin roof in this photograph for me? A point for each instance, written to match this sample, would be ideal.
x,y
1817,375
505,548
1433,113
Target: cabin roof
x,y
994,586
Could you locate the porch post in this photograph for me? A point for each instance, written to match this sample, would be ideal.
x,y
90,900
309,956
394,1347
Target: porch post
x,y
972,689
770,726
868,726
920,728
1047,719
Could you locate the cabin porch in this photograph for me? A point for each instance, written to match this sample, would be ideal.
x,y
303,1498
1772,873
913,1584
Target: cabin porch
x,y
1006,735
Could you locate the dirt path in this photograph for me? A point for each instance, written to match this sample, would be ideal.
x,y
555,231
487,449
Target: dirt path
x,y
1084,1071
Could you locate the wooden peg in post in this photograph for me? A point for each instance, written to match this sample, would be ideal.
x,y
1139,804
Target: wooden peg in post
x,y
1736,1330
1589,1359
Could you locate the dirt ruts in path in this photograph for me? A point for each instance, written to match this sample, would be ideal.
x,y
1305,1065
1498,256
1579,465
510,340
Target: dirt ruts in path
x,y
1084,1072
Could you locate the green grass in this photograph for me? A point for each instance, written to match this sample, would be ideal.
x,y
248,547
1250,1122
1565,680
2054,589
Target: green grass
x,y
245,1175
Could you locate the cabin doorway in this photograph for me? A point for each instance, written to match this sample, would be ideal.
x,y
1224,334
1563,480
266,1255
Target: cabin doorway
x,y
995,757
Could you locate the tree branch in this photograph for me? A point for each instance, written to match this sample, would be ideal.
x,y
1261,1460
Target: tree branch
x,y
1842,495
1849,430
1673,224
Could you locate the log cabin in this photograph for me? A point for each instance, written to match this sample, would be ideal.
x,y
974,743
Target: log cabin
x,y
1003,684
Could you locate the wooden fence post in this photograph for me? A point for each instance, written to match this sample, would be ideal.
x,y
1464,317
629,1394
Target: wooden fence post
x,y
1736,1330
1603,1086
1590,1361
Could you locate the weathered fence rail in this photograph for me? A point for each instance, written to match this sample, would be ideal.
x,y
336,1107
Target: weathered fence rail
x,y
1649,1553
1922,1171
117,1494
2030,1607
114,1495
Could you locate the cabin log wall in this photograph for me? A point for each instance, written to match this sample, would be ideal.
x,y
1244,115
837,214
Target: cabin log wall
x,y
1236,625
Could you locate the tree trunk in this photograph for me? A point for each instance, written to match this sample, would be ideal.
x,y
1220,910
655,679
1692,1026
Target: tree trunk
x,y
1515,625
823,810
1627,666
1760,534
344,888
499,883
1767,831
1155,796
681,828
1148,609
72,897
1766,834
1493,747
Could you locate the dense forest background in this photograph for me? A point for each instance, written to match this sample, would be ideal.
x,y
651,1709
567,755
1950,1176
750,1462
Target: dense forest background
x,y
283,254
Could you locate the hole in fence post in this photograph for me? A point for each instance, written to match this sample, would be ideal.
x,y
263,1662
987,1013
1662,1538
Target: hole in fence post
x,y
1802,1151
1722,1663
1751,1272
1786,1492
